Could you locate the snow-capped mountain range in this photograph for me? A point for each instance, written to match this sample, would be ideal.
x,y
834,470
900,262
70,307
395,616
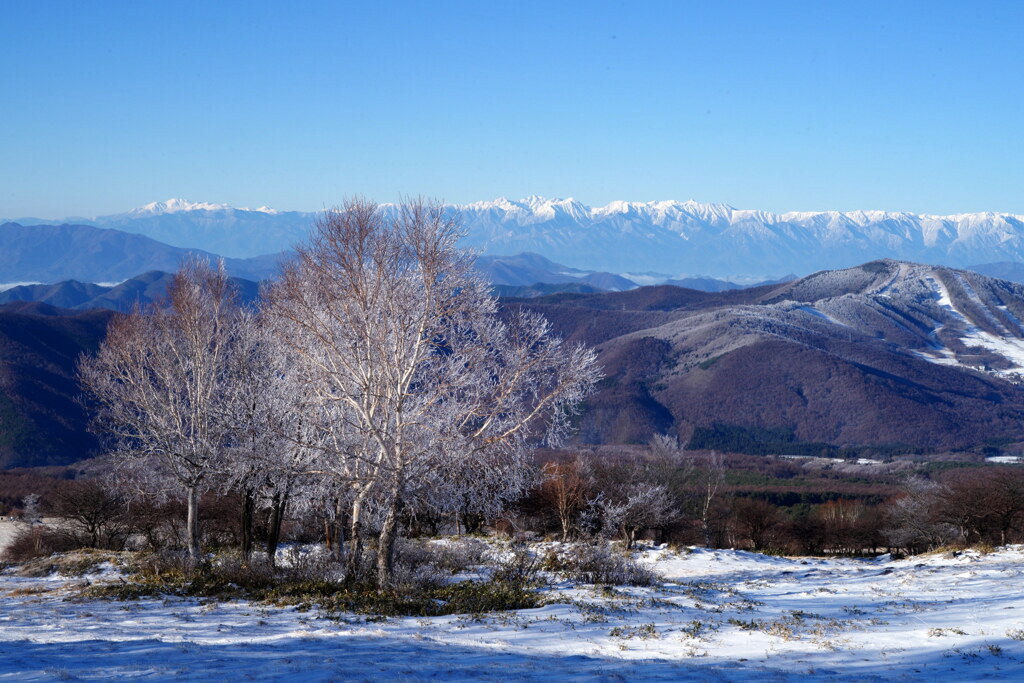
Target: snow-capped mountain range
x,y
719,240
672,237
179,205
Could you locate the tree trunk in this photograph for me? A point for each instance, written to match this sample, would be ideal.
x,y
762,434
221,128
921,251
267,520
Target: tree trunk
x,y
192,524
386,545
705,528
247,511
471,523
274,532
339,531
355,543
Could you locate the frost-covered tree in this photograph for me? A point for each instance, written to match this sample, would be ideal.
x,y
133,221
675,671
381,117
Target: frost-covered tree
x,y
161,381
400,342
30,513
266,414
696,476
914,518
639,505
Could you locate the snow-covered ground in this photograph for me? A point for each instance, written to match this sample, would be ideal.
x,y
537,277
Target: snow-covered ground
x,y
719,615
8,529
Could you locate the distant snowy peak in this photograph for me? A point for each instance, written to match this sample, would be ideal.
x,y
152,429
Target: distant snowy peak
x,y
535,208
177,205
217,228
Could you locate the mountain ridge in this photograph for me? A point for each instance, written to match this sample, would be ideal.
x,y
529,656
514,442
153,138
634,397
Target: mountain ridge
x,y
41,253
682,238
140,290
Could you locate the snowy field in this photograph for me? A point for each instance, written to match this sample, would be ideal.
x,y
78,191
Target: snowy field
x,y
8,529
718,615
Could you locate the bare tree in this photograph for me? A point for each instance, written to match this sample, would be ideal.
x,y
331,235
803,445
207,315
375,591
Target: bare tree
x,y
160,382
568,487
268,419
93,512
983,504
30,513
708,471
698,475
400,341
914,520
758,522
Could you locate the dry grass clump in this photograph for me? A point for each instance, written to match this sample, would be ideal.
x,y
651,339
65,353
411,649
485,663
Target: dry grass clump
x,y
37,541
422,584
75,563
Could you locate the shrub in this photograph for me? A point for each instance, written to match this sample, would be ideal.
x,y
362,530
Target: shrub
x,y
74,563
37,541
520,568
599,564
460,554
419,587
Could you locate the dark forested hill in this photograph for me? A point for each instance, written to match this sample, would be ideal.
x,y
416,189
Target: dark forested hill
x,y
142,289
41,421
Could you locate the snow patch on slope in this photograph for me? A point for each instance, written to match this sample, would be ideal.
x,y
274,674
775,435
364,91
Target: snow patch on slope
x,y
1010,348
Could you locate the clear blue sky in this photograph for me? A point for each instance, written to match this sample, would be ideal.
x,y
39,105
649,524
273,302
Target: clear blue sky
x,y
779,106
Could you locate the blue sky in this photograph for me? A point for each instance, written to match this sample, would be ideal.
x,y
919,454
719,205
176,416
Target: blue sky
x,y
778,106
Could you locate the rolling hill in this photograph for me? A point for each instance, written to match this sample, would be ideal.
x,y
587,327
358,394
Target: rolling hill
x,y
891,355
887,357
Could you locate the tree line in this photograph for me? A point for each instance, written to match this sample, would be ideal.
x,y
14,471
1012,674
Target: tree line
x,y
660,493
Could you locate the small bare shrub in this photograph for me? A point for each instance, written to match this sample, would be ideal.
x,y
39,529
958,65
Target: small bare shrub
x,y
37,541
461,554
520,568
598,563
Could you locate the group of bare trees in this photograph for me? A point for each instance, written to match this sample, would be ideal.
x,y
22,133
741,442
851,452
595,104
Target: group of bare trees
x,y
667,493
964,506
376,379
666,487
